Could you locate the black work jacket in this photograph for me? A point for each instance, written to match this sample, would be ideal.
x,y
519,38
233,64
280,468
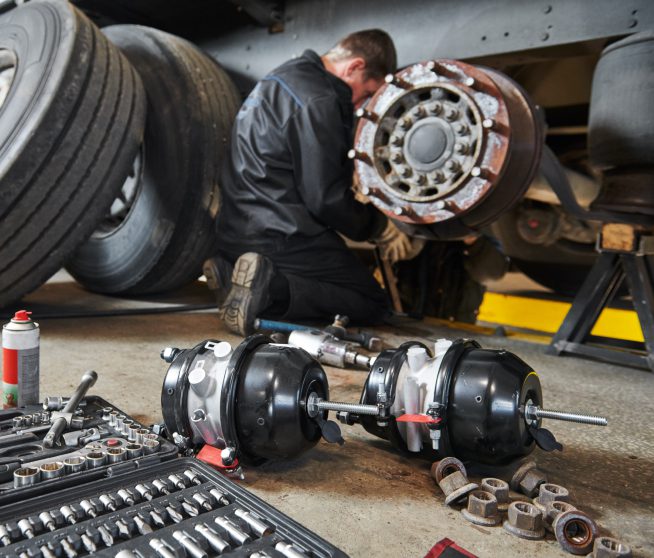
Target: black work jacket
x,y
287,172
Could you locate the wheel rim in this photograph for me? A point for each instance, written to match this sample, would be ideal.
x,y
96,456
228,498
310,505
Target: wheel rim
x,y
124,203
8,63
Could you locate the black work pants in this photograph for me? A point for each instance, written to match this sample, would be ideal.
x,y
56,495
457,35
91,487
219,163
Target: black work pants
x,y
324,278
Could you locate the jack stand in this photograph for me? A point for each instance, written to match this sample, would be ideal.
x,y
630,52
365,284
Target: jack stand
x,y
625,252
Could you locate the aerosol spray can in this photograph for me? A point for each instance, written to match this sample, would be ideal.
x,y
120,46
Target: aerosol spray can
x,y
20,361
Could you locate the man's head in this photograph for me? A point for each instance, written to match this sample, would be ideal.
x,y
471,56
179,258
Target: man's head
x,y
362,60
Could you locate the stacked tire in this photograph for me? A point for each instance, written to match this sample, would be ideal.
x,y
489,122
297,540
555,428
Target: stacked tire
x,y
70,123
110,149
167,232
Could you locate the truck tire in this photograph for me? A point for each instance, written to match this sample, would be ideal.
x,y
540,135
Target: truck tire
x,y
163,228
71,120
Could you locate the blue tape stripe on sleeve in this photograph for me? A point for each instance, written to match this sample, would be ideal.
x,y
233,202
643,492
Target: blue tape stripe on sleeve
x,y
285,87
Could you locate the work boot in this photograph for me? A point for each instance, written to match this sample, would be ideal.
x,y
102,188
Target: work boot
x,y
218,272
249,295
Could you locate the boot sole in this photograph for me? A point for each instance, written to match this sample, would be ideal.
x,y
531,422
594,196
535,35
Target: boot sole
x,y
236,310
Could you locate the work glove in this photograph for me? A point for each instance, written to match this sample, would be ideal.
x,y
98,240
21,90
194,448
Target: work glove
x,y
395,245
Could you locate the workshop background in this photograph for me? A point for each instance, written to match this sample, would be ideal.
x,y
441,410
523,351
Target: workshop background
x,y
515,139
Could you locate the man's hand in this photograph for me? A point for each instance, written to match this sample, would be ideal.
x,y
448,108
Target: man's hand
x,y
395,245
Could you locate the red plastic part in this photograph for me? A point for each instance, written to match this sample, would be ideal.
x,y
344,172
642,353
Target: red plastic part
x,y
211,456
22,316
447,548
424,419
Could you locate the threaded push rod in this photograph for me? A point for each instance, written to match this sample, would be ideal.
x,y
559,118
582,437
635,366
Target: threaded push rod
x,y
346,407
535,412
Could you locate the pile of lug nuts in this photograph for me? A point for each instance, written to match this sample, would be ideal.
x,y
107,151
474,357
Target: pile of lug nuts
x,y
532,505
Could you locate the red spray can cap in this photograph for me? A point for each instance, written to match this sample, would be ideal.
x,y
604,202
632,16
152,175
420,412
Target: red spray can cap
x,y
21,316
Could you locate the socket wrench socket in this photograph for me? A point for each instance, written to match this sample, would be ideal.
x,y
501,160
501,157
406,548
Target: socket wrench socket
x,y
119,422
131,432
134,450
74,464
95,459
150,446
26,476
51,470
126,424
116,455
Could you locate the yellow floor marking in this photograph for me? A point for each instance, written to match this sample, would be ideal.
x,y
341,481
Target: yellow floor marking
x,y
547,315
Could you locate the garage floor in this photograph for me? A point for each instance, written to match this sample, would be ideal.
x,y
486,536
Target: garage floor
x,y
364,497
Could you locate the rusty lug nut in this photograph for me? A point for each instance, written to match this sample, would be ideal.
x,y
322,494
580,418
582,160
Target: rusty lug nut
x,y
397,158
525,521
450,474
452,114
576,531
553,510
461,148
462,129
419,112
499,489
606,547
396,140
453,165
398,81
482,509
406,172
549,492
435,108
406,123
527,479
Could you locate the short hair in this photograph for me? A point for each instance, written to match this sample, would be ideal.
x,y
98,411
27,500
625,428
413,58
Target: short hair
x,y
373,45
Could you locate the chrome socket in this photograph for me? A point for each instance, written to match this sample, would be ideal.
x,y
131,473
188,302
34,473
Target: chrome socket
x,y
51,470
131,432
106,414
116,455
126,424
140,435
95,459
258,526
74,464
112,418
119,422
150,446
26,476
134,450
238,536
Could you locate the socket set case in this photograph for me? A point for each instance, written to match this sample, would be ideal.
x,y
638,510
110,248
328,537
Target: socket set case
x,y
103,442
175,509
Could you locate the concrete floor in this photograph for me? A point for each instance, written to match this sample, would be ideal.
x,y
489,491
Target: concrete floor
x,y
364,497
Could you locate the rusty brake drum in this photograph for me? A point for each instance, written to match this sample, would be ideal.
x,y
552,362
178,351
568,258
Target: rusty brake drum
x,y
445,147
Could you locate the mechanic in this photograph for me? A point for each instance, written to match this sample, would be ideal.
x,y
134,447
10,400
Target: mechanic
x,y
287,193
